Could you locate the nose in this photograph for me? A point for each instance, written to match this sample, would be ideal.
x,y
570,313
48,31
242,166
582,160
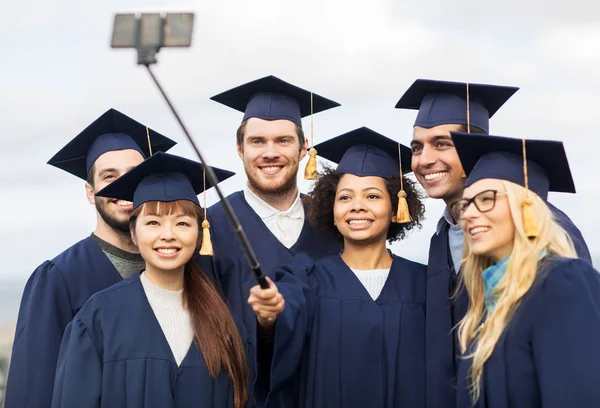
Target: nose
x,y
270,152
166,233
428,156
358,204
470,212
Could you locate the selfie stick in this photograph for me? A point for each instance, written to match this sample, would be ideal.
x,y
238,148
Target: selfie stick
x,y
147,56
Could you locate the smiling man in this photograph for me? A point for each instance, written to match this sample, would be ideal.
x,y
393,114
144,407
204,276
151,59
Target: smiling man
x,y
445,107
271,144
108,148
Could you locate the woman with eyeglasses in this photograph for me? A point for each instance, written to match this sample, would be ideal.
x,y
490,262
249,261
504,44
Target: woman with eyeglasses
x,y
531,335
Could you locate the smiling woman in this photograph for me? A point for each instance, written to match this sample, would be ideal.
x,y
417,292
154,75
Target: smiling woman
x,y
351,327
163,337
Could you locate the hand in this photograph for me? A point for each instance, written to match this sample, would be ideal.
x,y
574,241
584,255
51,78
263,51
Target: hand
x,y
266,303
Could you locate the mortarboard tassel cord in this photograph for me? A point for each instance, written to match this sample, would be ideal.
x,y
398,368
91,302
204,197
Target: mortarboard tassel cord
x,y
402,214
207,248
310,172
529,224
149,144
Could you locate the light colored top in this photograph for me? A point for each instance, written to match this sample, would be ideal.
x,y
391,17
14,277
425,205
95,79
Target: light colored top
x,y
173,318
285,225
456,238
373,280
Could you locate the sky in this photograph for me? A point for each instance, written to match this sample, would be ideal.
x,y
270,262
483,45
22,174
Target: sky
x,y
58,74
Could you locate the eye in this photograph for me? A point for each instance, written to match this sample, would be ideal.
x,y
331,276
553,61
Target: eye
x,y
108,177
152,222
443,144
344,197
256,141
284,141
183,224
372,196
416,149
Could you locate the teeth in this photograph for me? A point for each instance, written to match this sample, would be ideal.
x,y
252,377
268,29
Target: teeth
x,y
167,250
359,222
271,169
123,203
478,229
434,176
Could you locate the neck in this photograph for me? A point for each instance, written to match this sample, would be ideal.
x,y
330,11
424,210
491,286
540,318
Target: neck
x,y
168,280
120,240
365,257
281,201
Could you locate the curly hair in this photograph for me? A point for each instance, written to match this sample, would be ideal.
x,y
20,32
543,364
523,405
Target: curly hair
x,y
321,199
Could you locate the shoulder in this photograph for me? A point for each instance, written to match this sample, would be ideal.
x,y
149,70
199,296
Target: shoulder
x,y
408,264
112,297
218,210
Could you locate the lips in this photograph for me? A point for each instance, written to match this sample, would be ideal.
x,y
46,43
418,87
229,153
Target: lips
x,y
435,176
270,169
167,252
476,231
123,204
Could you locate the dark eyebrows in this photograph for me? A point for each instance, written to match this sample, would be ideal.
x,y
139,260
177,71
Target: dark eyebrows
x,y
364,189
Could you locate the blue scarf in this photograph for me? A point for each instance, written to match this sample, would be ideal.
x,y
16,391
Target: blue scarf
x,y
491,277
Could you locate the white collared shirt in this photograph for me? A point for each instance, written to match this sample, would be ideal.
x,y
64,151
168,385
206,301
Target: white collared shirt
x,y
285,225
456,238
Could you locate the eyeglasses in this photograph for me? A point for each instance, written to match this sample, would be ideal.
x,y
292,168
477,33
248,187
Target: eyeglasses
x,y
484,202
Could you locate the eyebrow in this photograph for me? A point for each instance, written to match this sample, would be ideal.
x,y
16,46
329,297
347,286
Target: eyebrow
x,y
114,170
364,189
434,139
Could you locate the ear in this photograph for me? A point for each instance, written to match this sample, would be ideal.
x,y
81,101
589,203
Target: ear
x,y
304,149
89,193
133,239
240,151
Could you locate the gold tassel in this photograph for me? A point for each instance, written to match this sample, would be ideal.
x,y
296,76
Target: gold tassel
x,y
310,172
402,215
207,248
529,224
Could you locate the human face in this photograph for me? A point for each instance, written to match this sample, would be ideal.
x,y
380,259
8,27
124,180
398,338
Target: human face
x,y
490,233
435,162
107,168
362,210
271,153
166,242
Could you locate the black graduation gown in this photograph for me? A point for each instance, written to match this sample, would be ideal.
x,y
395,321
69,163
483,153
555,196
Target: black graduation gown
x,y
548,356
54,293
115,355
347,349
230,266
442,314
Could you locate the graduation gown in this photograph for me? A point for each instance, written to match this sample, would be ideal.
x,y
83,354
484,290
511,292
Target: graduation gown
x,y
347,349
229,264
443,314
548,356
54,293
115,355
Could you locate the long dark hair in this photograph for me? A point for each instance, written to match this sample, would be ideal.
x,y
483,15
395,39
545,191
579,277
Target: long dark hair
x,y
214,328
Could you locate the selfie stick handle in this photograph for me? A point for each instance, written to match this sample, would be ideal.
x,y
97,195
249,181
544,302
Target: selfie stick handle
x,y
210,174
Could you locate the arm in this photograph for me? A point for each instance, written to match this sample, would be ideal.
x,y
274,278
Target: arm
x,y
566,337
44,313
79,370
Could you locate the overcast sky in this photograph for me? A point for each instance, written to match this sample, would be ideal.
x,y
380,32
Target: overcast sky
x,y
58,74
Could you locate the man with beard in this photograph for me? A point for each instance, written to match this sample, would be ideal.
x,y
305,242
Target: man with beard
x,y
445,107
271,144
109,147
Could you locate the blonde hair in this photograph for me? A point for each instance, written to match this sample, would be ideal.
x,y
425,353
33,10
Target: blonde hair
x,y
519,277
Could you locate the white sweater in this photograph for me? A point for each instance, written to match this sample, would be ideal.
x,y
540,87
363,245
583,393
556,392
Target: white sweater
x,y
373,280
173,318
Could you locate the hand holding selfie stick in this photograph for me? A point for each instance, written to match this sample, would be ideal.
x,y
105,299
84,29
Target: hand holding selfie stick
x,y
147,34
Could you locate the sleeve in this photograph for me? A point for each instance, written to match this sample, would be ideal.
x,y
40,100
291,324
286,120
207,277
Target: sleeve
x,y
78,380
44,313
293,324
566,338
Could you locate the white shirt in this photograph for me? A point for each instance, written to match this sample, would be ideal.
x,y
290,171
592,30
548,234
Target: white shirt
x,y
173,318
373,280
285,225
